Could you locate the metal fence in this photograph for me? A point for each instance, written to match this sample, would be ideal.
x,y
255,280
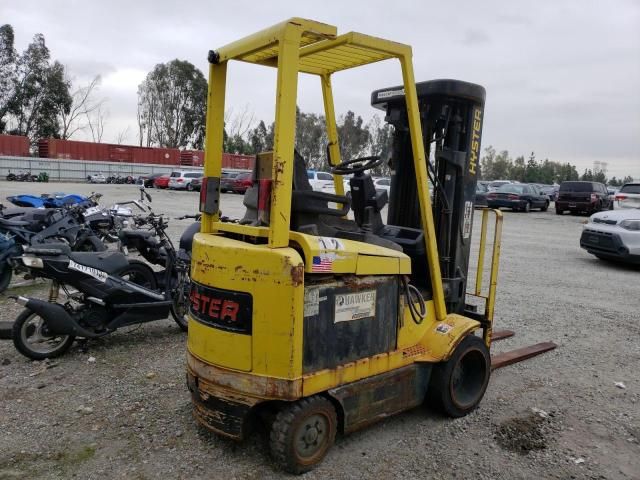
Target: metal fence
x,y
79,170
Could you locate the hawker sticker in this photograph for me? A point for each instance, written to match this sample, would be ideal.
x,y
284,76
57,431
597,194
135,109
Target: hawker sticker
x,y
354,306
468,216
92,272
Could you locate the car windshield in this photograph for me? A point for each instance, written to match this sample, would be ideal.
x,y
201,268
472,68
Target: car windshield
x,y
631,188
175,174
510,188
192,175
481,188
576,187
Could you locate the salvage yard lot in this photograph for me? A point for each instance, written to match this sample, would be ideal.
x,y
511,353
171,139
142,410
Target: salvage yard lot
x,y
119,407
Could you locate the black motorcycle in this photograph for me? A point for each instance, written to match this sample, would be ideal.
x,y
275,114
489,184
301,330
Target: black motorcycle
x,y
103,292
36,226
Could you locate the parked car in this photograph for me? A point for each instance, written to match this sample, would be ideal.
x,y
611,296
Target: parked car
x,y
550,190
226,181
496,184
97,178
149,179
196,184
242,182
330,187
181,179
382,183
481,195
319,179
613,235
578,197
628,196
518,197
162,181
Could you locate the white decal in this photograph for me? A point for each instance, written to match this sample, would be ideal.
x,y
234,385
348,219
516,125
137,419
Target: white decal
x,y
311,301
390,93
92,272
444,328
468,216
330,243
353,306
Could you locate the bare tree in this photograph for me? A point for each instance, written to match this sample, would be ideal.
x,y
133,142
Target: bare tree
x,y
238,125
96,120
83,106
122,136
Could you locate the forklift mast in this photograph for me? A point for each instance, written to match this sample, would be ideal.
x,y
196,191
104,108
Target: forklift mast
x,y
451,114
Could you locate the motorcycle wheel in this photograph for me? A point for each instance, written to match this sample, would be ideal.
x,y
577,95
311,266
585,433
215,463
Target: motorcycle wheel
x,y
5,277
11,177
180,304
139,273
32,338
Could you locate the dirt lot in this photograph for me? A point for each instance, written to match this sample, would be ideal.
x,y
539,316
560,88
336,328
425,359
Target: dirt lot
x,y
119,407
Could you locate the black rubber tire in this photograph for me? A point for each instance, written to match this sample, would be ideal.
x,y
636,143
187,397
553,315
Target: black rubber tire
x,y
26,350
176,309
6,273
559,212
445,386
139,273
611,205
189,187
527,207
290,418
545,207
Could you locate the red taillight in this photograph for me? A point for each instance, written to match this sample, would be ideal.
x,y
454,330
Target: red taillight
x,y
180,180
492,196
203,194
621,197
513,197
264,201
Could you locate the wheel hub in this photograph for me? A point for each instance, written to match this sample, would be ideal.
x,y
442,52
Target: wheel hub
x,y
311,436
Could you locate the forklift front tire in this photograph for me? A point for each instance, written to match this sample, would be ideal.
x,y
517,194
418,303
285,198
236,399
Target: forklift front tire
x,y
458,385
302,434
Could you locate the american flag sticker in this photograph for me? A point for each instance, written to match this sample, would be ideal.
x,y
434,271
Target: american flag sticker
x,y
321,264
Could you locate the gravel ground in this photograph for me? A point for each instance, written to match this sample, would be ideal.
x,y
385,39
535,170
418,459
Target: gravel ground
x,y
119,407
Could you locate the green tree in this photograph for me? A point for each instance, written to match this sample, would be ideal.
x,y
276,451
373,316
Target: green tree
x,y
516,172
587,175
627,179
599,176
258,138
381,143
311,138
532,170
8,58
353,136
39,91
486,163
172,106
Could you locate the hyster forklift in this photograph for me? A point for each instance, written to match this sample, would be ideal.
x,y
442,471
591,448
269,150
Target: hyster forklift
x,y
316,322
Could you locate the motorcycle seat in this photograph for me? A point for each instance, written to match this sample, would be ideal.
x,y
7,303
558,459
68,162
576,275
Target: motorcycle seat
x,y
110,262
13,223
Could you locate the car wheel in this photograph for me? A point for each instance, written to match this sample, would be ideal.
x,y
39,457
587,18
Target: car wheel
x,y
527,207
559,212
189,187
545,207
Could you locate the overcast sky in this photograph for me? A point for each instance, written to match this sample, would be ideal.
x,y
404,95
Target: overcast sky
x,y
562,77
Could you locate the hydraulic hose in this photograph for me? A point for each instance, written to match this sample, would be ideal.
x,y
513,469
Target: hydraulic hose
x,y
413,295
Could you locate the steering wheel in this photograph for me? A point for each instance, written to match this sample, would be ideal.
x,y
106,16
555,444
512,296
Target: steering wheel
x,y
357,165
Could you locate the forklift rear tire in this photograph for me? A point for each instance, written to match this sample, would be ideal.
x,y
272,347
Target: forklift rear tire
x,y
302,434
458,385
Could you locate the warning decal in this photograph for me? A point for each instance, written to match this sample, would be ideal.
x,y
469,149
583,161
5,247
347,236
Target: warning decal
x,y
354,306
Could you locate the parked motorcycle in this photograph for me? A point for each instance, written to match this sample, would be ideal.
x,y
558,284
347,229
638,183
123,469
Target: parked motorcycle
x,y
21,177
38,226
103,292
46,200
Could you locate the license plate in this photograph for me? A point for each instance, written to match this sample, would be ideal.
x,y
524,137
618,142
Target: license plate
x,y
572,205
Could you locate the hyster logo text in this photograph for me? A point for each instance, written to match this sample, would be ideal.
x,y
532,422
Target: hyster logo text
x,y
214,308
475,140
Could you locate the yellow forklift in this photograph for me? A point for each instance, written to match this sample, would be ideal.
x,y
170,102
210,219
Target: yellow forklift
x,y
310,312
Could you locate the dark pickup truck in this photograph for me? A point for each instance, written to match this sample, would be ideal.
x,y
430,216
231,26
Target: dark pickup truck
x,y
587,197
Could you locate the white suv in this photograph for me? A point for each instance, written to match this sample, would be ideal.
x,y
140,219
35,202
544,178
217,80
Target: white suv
x,y
628,196
613,235
181,180
319,179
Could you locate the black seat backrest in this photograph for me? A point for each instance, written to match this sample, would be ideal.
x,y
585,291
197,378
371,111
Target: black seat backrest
x,y
367,202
